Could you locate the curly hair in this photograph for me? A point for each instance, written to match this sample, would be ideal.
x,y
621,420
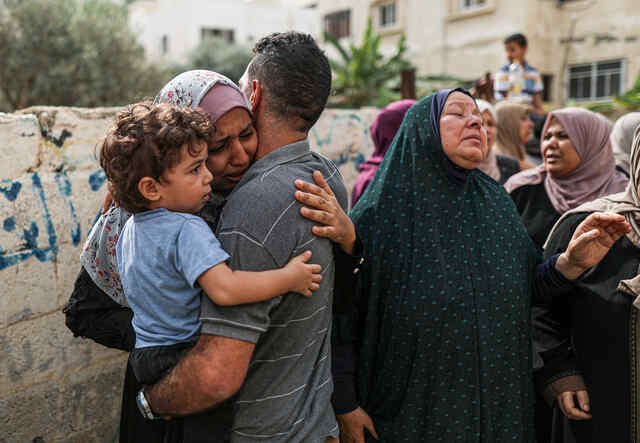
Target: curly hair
x,y
145,141
296,75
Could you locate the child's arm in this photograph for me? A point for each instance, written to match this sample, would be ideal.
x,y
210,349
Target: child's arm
x,y
226,287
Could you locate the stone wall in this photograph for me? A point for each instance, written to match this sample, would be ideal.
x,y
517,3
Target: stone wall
x,y
52,385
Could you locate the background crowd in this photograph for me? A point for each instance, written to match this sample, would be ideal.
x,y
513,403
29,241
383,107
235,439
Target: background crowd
x,y
458,242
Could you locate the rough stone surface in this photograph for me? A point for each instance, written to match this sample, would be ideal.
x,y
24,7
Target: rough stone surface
x,y
19,141
54,386
80,407
43,349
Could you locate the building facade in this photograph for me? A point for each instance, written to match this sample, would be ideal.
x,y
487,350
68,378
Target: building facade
x,y
586,50
169,30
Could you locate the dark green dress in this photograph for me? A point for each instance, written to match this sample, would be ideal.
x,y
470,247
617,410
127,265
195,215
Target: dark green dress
x,y
444,330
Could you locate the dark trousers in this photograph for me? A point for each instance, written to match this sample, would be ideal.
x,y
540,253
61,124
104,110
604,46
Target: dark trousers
x,y
134,428
152,363
211,426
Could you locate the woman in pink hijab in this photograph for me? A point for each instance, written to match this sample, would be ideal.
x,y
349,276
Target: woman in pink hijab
x,y
578,167
383,130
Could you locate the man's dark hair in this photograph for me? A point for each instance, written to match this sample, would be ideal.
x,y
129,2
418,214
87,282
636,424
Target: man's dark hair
x,y
146,141
296,75
518,39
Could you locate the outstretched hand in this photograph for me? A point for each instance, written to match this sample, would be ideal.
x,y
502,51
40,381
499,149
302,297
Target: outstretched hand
x,y
591,241
325,209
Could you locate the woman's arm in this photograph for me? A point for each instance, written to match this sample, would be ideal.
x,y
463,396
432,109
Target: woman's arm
x,y
585,247
580,249
325,209
591,241
560,377
338,227
349,304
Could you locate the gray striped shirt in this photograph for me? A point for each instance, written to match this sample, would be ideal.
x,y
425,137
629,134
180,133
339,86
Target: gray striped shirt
x,y
286,394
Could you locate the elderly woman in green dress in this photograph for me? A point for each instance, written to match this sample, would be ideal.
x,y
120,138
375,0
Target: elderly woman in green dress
x,y
438,347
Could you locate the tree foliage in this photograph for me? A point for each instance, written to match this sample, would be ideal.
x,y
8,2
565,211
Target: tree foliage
x,y
363,76
631,98
218,55
619,104
71,53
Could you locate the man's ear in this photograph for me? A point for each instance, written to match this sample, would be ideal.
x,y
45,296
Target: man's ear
x,y
150,189
256,94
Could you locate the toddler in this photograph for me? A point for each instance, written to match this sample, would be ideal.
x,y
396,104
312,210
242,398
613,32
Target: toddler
x,y
155,161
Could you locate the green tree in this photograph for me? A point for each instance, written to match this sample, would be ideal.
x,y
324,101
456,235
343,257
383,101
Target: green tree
x,y
363,76
71,53
631,98
218,55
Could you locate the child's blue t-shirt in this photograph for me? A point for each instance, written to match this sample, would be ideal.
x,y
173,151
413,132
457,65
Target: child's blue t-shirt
x,y
160,256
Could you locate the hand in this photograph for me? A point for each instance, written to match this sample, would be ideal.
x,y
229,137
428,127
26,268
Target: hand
x,y
352,426
108,199
567,405
304,275
338,227
591,241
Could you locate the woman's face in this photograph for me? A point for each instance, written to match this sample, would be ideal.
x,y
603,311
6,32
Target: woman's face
x,y
489,124
558,153
526,128
464,139
232,149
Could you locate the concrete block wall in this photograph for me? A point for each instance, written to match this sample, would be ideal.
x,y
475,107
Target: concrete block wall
x,y
52,385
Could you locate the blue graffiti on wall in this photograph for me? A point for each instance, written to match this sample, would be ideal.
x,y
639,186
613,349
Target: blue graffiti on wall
x,y
10,191
29,236
64,186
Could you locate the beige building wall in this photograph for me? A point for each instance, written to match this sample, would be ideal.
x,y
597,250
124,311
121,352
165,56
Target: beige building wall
x,y
603,31
169,30
443,39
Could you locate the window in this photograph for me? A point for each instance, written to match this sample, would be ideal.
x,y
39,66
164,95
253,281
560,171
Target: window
x,y
561,3
338,24
466,5
465,9
165,44
387,15
225,34
595,81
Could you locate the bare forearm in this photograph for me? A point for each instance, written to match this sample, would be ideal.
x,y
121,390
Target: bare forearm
x,y
251,287
209,374
226,287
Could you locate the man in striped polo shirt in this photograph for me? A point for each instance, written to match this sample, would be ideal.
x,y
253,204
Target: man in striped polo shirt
x,y
278,352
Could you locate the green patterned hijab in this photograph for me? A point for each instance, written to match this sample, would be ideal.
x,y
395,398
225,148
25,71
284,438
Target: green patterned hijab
x,y
444,337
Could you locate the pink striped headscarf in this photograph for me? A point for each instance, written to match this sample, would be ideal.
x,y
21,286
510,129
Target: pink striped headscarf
x,y
595,176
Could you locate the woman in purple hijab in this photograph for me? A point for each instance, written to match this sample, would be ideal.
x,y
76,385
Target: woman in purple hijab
x,y
383,130
578,167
